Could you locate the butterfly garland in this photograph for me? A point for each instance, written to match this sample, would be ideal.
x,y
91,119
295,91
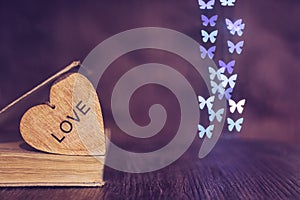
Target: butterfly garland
x,y
222,85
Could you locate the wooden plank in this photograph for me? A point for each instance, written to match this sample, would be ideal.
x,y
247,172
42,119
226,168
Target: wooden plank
x,y
235,169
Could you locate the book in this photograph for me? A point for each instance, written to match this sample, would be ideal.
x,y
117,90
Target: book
x,y
22,166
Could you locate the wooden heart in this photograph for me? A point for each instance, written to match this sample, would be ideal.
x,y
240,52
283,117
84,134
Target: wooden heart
x,y
71,124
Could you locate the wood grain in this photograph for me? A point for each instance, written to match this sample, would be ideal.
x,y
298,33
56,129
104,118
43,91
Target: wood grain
x,y
40,86
11,114
235,169
71,123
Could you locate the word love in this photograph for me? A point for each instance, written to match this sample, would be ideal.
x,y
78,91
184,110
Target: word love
x,y
66,126
74,126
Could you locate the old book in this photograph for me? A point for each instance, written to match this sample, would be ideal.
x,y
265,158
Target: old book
x,y
22,166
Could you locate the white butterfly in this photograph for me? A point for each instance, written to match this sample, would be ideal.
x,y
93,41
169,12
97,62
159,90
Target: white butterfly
x,y
207,131
231,80
209,102
237,124
235,47
237,106
209,5
227,2
212,36
214,73
210,52
235,27
217,115
217,88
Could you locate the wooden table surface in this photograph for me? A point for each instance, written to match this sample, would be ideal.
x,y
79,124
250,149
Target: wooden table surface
x,y
235,169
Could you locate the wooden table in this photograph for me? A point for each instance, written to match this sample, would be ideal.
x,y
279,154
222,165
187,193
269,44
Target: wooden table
x,y
235,169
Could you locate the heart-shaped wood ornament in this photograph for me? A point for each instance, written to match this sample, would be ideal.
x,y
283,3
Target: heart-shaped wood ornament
x,y
71,124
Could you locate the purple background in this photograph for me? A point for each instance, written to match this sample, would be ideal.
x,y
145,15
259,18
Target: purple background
x,y
38,38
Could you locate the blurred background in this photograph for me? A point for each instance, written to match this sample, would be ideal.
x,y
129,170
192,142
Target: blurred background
x,y
38,38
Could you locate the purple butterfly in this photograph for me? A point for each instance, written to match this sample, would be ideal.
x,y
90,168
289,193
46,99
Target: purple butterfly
x,y
226,93
211,21
210,52
229,66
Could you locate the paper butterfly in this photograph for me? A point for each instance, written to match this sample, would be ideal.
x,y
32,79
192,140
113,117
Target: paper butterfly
x,y
236,27
229,66
237,124
226,93
207,131
210,52
209,102
238,47
231,80
227,2
217,88
239,106
209,5
211,21
212,36
214,73
217,115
